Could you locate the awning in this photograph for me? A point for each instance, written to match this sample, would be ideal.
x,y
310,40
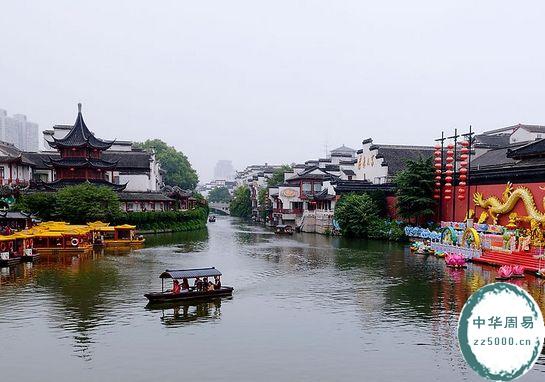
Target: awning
x,y
190,273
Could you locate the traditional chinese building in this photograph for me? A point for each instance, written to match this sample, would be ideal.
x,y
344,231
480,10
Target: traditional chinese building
x,y
81,158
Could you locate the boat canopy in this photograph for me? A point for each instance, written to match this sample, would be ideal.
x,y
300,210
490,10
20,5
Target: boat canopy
x,y
190,273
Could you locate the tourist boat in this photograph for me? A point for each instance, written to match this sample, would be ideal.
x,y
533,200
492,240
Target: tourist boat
x,y
282,229
212,219
53,238
192,293
124,236
7,255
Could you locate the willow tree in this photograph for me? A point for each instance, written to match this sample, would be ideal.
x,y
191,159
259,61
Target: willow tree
x,y
415,185
241,204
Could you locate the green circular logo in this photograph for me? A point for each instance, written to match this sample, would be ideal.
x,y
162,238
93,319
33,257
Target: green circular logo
x,y
500,331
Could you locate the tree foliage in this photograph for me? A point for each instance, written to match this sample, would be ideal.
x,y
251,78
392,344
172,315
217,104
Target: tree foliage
x,y
263,203
241,204
356,214
43,204
178,170
219,194
277,177
85,203
415,186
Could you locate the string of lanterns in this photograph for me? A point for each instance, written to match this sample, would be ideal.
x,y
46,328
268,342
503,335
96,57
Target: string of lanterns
x,y
463,170
438,171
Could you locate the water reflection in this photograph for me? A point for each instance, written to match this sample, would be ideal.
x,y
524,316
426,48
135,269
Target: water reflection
x,y
185,313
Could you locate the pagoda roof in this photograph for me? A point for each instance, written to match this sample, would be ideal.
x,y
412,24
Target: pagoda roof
x,y
80,136
61,183
80,162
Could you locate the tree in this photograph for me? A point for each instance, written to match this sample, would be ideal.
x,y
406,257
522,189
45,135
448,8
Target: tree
x,y
178,170
241,204
85,202
263,203
415,185
42,204
277,177
219,194
357,215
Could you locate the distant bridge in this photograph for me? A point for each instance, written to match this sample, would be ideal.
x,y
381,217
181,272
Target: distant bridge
x,y
219,207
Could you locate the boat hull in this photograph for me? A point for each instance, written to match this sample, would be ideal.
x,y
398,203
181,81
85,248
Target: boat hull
x,y
124,243
162,297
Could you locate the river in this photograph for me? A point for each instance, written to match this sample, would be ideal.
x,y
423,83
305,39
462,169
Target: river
x,y
305,308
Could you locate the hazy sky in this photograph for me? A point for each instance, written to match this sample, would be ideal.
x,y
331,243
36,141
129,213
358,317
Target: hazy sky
x,y
273,81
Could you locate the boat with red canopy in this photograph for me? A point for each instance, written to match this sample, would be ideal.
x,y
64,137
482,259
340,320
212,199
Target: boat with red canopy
x,y
201,288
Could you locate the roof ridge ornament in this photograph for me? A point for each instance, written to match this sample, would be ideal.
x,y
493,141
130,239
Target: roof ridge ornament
x,y
79,107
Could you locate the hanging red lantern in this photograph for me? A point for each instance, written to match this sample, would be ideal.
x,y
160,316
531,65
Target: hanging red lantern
x,y
437,196
437,161
438,184
448,172
463,163
462,184
450,159
438,172
449,166
448,197
461,197
450,153
448,179
465,143
463,170
450,146
463,177
463,157
462,190
448,191
464,150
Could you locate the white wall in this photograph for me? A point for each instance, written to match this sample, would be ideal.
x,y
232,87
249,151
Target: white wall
x,y
368,167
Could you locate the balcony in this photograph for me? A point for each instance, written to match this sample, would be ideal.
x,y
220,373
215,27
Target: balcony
x,y
6,181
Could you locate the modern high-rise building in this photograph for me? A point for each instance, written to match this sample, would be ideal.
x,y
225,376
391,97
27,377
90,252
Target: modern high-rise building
x,y
224,170
19,131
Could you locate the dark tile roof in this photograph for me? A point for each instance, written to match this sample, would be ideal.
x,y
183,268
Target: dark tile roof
x,y
143,197
536,148
347,186
349,172
307,174
342,151
61,183
492,141
493,157
80,136
396,156
81,162
126,160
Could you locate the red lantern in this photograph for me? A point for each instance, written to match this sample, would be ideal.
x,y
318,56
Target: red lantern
x,y
438,184
463,157
462,184
438,177
447,197
450,153
437,160
461,190
461,197
464,150
463,170
465,143
450,159
437,154
450,146
438,172
448,179
463,164
437,147
463,177
448,172
437,196
449,166
448,191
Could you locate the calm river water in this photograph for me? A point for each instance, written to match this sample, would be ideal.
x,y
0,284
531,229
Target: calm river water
x,y
305,308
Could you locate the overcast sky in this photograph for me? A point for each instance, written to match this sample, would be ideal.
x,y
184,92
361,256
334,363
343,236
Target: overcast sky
x,y
273,81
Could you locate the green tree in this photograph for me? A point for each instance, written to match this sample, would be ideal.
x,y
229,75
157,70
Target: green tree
x,y
415,186
357,215
42,204
85,202
178,170
241,204
277,177
219,194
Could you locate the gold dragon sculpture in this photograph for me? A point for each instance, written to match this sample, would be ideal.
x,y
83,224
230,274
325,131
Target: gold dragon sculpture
x,y
494,207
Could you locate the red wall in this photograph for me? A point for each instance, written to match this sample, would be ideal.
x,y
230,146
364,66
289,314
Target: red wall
x,y
487,191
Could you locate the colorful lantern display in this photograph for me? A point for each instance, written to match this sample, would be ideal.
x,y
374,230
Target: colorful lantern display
x,y
463,170
449,171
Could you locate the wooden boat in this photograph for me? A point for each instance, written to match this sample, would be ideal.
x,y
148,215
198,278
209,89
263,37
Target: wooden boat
x,y
193,293
124,236
282,229
212,219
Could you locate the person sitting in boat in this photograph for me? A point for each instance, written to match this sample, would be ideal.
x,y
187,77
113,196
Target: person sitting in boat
x,y
217,285
204,286
175,287
210,287
198,284
185,285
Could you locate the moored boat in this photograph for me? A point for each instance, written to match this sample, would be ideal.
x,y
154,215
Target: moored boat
x,y
124,236
283,229
200,291
212,219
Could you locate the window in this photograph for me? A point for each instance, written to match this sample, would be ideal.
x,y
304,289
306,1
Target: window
x,y
307,187
129,206
317,187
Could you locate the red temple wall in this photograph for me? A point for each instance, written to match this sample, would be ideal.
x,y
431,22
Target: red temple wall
x,y
460,207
